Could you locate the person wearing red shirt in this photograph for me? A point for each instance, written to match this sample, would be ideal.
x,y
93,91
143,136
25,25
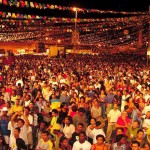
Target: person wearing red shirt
x,y
123,121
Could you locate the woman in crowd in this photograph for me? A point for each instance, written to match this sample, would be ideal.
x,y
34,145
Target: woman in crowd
x,y
120,143
64,144
69,128
100,145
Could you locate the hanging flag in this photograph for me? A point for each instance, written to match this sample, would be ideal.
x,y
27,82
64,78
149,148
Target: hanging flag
x,y
31,5
13,15
9,14
17,4
5,2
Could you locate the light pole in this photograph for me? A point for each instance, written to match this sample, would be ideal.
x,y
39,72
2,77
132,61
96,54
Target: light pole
x,y
76,16
75,33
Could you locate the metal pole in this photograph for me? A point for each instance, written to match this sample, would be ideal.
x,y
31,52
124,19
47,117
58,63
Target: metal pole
x,y
76,15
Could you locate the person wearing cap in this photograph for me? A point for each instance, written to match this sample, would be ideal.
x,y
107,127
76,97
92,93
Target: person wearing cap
x,y
4,120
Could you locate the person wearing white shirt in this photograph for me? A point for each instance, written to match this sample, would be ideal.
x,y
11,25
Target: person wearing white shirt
x,y
30,119
16,142
69,128
146,109
124,98
96,131
23,124
82,144
146,96
19,81
112,119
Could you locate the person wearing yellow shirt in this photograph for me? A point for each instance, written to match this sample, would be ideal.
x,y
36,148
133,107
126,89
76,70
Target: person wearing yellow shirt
x,y
15,108
44,143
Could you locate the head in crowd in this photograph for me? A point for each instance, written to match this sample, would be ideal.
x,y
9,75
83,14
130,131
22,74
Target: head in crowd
x,y
45,136
121,139
100,139
135,145
20,123
81,111
140,134
68,120
82,137
63,143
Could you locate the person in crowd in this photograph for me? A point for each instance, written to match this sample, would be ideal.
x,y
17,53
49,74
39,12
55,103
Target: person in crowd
x,y
135,145
100,143
117,132
123,121
82,143
55,102
80,117
16,142
64,97
109,100
139,137
53,121
102,100
45,142
57,135
15,108
63,112
117,98
132,131
4,120
69,128
112,119
3,145
13,97
148,135
146,122
39,131
146,146
97,130
46,112
75,135
136,113
120,143
72,109
64,145
6,95
23,124
96,110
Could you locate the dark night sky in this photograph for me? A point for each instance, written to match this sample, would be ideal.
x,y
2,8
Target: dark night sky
x,y
115,5
120,5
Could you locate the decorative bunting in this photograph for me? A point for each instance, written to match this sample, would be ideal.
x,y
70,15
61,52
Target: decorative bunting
x,y
71,20
26,4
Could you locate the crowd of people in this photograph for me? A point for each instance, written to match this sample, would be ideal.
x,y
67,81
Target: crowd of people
x,y
80,102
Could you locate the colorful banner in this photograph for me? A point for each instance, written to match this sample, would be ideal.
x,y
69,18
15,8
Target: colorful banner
x,y
27,4
10,15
